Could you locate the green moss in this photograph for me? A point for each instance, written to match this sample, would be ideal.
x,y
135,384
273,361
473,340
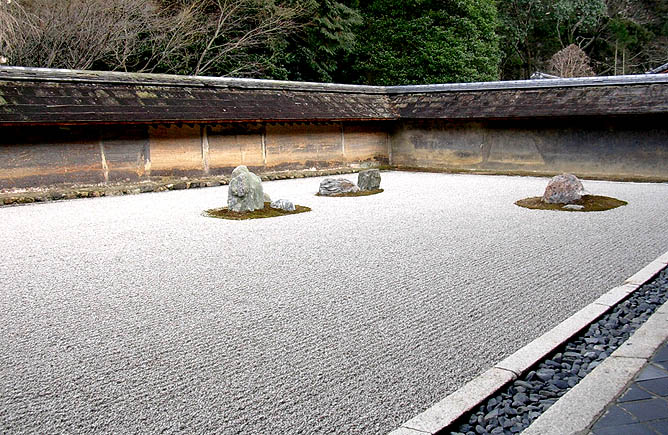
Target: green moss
x,y
358,193
590,203
266,212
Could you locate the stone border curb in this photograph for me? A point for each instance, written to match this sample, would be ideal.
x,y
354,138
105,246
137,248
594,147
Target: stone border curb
x,y
647,272
476,391
576,410
457,403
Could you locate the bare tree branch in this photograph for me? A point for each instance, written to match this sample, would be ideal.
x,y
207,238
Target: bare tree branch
x,y
178,36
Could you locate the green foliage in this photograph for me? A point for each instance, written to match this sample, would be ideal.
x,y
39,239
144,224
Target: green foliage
x,y
634,38
327,37
427,41
573,18
532,31
373,42
620,36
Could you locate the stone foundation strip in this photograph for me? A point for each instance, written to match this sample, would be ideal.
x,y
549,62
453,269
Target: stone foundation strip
x,y
475,392
57,193
160,184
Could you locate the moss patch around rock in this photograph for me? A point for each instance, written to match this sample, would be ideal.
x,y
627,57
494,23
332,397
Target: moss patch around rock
x,y
589,202
266,212
350,194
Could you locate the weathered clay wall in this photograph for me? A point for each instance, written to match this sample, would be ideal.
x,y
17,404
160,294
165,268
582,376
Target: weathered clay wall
x,y
85,126
595,147
40,155
615,148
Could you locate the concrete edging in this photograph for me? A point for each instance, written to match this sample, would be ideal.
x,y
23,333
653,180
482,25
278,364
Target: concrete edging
x,y
476,391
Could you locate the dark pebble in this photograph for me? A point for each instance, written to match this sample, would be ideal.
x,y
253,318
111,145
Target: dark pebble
x,y
491,415
510,412
524,384
520,398
545,374
553,364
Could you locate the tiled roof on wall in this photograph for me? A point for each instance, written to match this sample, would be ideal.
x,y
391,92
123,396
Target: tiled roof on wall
x,y
663,69
47,96
35,95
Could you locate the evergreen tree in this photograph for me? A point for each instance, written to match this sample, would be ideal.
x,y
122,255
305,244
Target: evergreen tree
x,y
428,41
327,38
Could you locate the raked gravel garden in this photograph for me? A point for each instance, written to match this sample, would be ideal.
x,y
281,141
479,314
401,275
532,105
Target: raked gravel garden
x,y
140,314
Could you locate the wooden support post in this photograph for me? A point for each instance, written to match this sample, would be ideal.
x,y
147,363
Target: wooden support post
x,y
105,167
388,140
343,142
205,149
264,146
147,156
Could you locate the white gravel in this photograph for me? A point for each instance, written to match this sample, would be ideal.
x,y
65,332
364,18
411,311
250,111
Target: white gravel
x,y
138,314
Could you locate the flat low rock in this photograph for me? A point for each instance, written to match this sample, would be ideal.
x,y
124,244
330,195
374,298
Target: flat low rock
x,y
245,192
335,186
283,204
563,189
369,179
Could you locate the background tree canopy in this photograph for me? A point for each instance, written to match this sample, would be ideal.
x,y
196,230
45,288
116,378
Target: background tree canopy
x,y
350,41
428,41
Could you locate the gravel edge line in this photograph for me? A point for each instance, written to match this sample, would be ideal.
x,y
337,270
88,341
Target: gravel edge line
x,y
451,408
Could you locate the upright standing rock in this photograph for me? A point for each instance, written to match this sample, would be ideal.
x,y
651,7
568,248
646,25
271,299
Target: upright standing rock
x,y
245,191
563,189
369,179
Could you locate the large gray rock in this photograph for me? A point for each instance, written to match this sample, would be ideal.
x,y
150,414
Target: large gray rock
x,y
283,204
563,189
369,179
245,191
334,186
